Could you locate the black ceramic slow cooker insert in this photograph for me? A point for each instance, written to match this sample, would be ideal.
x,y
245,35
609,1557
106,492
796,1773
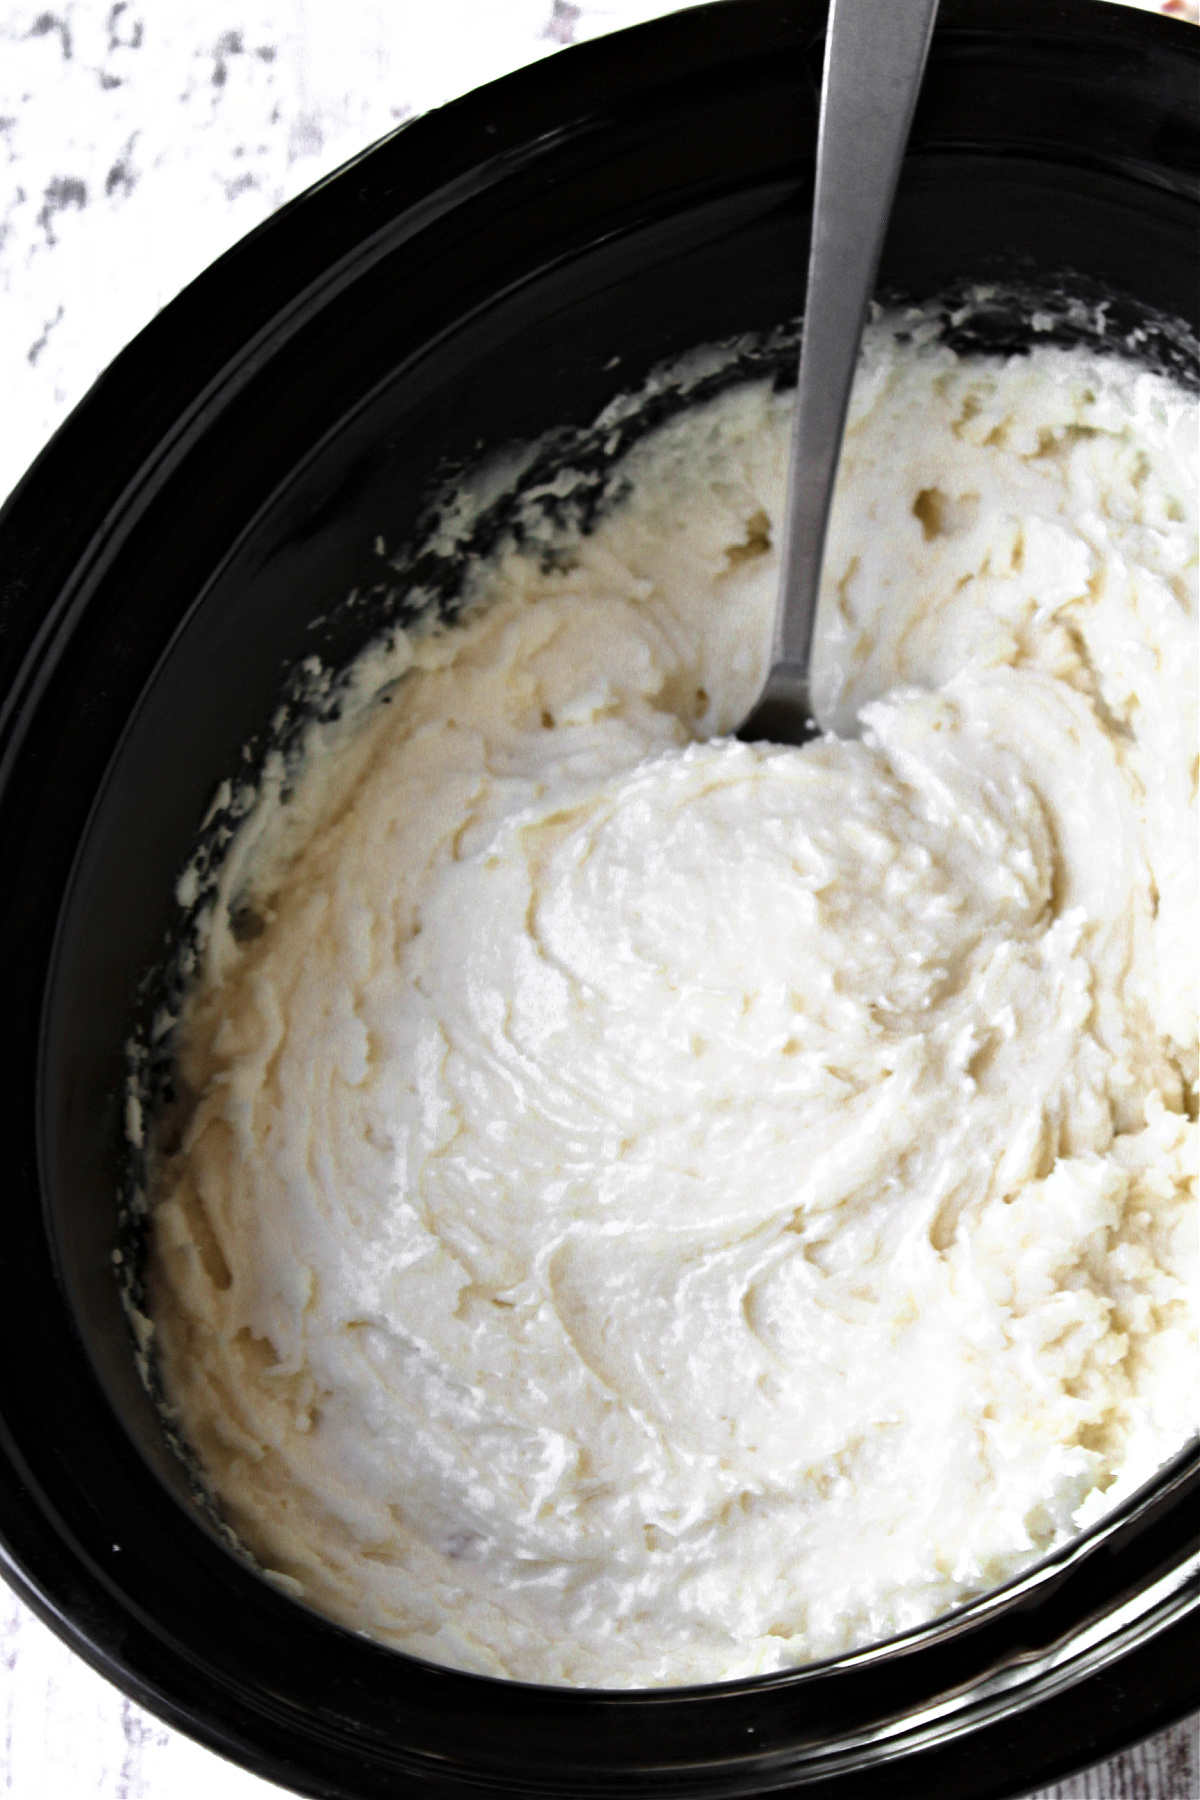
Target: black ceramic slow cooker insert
x,y
468,282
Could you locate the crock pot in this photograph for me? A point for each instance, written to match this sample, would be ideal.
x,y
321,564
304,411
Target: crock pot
x,y
494,270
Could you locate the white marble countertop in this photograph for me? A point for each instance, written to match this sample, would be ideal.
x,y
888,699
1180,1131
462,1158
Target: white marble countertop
x,y
138,140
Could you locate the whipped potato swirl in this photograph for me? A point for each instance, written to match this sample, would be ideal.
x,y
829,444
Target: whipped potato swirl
x,y
653,1209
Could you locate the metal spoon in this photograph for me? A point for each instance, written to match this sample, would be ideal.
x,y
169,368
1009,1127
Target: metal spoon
x,y
875,54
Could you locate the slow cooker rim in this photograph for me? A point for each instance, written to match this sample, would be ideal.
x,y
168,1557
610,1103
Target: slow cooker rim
x,y
37,480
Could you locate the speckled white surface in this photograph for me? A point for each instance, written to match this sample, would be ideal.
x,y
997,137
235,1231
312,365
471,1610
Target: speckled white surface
x,y
138,141
141,140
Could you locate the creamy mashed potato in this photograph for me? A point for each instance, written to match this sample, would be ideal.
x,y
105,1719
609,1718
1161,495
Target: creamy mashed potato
x,y
653,1209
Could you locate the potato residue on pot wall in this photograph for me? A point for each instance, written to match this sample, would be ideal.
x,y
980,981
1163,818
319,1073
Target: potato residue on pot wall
x,y
653,1209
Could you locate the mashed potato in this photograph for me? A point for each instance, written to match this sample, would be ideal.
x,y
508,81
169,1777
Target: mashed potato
x,y
654,1209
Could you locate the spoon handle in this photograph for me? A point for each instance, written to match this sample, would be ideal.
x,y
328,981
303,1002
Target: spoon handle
x,y
875,54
